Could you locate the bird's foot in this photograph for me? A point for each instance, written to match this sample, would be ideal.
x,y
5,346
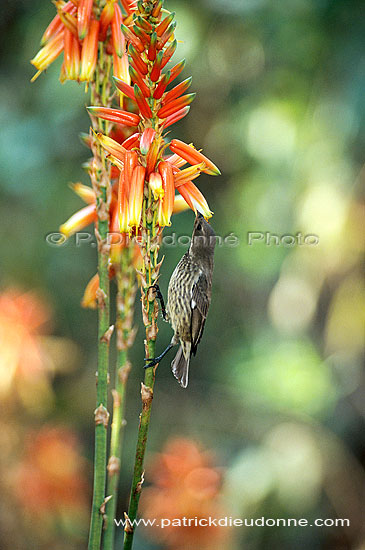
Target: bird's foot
x,y
151,363
159,297
156,360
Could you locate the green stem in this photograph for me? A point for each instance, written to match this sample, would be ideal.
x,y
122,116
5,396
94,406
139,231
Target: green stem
x,y
125,335
101,184
119,395
150,309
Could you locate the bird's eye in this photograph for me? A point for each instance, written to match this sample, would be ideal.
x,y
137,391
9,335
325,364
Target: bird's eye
x,y
199,226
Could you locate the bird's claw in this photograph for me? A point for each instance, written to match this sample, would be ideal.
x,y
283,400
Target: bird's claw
x,y
151,363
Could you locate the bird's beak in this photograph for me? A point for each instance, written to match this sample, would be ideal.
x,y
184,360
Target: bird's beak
x,y
199,215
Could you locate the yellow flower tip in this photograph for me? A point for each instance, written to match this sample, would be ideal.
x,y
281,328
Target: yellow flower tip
x,y
84,192
155,183
180,205
214,171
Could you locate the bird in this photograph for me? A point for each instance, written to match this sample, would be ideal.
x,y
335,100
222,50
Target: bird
x,y
189,297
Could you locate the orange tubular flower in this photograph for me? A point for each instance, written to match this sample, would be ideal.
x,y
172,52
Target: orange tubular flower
x,y
117,35
112,146
90,52
84,192
89,299
177,91
152,50
115,115
146,139
69,21
72,56
171,119
126,89
166,205
48,54
130,162
195,199
193,156
131,141
120,67
155,183
79,220
177,69
166,36
176,161
161,86
53,28
169,53
132,38
180,204
106,17
56,24
161,28
156,69
188,174
84,17
143,106
136,196
137,61
137,79
123,204
173,106
152,155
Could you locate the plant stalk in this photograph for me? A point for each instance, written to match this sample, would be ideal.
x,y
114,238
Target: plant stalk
x,y
99,173
125,336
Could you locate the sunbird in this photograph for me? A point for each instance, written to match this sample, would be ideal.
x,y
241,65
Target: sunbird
x,y
189,296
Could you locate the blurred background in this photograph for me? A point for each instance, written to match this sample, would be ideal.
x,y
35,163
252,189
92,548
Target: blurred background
x,y
272,423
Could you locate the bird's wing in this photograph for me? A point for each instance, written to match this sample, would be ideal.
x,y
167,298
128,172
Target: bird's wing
x,y
199,310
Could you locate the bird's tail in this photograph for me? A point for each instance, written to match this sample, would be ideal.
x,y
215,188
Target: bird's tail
x,y
180,367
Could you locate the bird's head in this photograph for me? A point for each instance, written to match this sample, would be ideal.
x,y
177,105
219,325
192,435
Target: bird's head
x,y
203,239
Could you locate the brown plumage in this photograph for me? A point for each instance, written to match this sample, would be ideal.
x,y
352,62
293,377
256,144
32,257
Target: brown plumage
x,y
189,296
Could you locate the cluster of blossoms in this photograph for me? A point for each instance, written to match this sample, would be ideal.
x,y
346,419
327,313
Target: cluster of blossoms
x,y
142,43
76,31
152,109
